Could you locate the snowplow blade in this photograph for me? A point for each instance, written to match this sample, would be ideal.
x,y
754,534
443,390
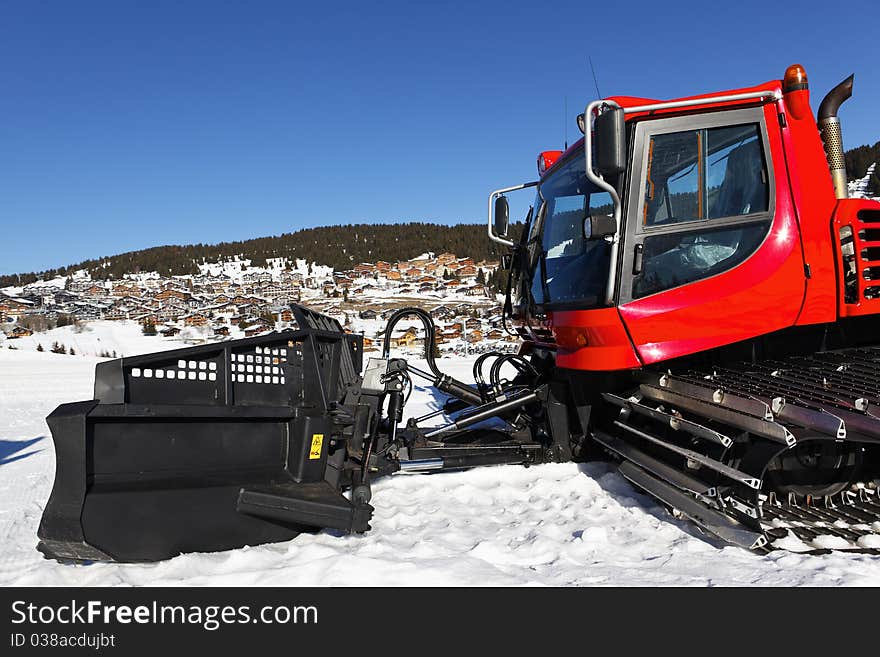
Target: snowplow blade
x,y
206,448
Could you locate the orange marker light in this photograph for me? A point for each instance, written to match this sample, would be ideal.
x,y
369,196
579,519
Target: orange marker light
x,y
795,79
797,91
571,337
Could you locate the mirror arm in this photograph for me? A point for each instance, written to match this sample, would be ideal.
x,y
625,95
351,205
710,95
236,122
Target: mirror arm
x,y
498,192
602,184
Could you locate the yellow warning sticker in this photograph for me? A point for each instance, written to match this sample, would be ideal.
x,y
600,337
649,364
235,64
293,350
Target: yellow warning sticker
x,y
317,442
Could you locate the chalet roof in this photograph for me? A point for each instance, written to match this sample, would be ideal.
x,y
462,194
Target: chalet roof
x,y
19,300
260,326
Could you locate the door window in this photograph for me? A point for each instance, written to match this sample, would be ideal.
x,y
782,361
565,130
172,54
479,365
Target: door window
x,y
704,174
680,257
705,205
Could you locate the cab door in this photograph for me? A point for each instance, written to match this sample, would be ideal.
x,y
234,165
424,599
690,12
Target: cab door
x,y
712,252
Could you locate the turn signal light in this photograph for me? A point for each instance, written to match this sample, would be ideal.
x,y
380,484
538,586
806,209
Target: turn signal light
x,y
571,337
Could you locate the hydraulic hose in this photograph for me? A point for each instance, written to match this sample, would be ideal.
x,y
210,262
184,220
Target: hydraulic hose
x,y
442,382
478,366
427,323
520,363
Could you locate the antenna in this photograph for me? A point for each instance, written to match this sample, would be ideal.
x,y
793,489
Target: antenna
x,y
595,81
565,124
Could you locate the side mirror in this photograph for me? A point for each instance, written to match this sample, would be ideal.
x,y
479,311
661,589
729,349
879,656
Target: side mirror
x,y
502,216
610,139
598,226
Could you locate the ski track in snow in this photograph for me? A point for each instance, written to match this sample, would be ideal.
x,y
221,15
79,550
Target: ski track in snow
x,y
558,524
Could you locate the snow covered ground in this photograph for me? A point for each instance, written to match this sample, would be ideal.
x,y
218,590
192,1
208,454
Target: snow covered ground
x,y
548,525
124,338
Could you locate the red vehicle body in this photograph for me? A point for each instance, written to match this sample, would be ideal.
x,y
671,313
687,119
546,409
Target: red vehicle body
x,y
792,279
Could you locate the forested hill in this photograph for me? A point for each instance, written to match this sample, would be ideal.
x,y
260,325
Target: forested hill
x,y
341,247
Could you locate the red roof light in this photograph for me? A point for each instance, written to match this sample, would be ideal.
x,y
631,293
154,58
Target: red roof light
x,y
546,160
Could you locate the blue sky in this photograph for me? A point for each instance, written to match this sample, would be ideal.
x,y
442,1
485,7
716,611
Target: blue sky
x,y
125,124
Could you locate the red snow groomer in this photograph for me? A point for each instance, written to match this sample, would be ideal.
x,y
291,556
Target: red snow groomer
x,y
698,301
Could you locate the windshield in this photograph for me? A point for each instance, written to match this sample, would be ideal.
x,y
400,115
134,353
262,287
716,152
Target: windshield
x,y
568,269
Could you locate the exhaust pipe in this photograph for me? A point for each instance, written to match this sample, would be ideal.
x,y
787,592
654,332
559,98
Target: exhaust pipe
x,y
832,139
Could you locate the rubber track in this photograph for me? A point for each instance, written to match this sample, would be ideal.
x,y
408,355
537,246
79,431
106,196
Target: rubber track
x,y
831,396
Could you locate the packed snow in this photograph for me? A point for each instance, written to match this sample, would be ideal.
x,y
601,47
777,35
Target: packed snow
x,y
563,524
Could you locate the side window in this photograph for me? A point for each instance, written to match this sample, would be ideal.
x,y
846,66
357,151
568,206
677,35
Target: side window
x,y
672,185
601,204
735,173
704,174
695,179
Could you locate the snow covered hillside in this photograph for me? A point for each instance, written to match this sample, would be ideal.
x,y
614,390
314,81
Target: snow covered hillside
x,y
99,338
859,188
548,525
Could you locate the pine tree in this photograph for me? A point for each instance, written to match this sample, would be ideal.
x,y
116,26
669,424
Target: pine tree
x,y
859,159
39,347
149,328
874,184
497,280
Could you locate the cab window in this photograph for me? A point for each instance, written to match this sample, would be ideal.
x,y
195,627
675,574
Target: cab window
x,y
705,205
704,174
